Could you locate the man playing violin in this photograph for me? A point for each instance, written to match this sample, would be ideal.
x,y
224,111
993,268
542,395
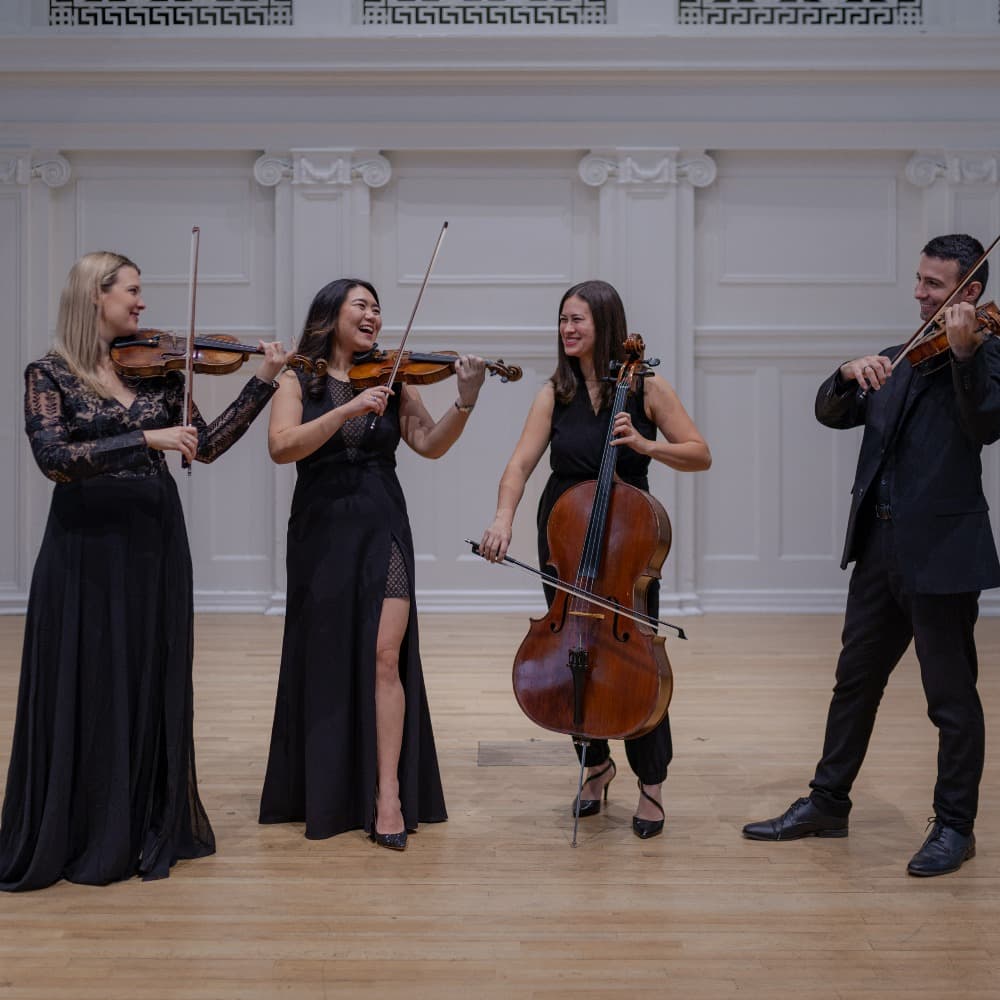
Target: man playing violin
x,y
920,537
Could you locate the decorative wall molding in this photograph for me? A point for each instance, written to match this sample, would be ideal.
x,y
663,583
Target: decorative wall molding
x,y
328,167
481,13
54,171
270,171
646,167
975,167
801,13
170,13
15,169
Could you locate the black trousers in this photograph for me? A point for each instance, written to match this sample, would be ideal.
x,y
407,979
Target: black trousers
x,y
880,621
649,755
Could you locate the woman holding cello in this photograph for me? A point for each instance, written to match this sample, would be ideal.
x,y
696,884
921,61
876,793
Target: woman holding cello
x,y
352,745
571,416
101,784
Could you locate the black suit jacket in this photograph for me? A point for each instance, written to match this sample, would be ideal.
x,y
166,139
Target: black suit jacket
x,y
932,429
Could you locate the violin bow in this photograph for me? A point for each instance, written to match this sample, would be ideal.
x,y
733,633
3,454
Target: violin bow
x,y
409,325
189,366
956,291
606,603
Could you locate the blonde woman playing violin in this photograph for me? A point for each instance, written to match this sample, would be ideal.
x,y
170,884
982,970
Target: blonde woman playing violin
x,y
102,783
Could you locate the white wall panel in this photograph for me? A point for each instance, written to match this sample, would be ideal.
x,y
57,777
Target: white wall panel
x,y
518,236
12,419
809,222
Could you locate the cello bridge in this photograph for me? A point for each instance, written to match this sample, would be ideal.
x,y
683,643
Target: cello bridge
x,y
586,614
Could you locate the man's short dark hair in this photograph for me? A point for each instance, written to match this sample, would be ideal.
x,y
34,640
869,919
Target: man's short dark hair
x,y
964,249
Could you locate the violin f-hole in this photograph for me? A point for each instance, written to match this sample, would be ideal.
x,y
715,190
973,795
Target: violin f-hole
x,y
557,623
620,636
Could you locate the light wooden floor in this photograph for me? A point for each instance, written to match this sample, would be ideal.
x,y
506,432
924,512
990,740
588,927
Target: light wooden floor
x,y
495,903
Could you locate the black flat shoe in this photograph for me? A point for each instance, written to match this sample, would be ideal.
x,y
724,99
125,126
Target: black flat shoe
x,y
800,819
646,828
945,850
591,807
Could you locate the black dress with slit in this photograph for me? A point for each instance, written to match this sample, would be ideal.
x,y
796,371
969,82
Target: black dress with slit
x,y
101,784
349,547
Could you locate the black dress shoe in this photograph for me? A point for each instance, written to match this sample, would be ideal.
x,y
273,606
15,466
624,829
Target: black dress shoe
x,y
944,851
800,819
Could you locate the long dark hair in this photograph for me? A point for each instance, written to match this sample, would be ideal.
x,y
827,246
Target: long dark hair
x,y
316,342
610,331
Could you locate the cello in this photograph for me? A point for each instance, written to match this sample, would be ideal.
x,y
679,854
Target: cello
x,y
595,667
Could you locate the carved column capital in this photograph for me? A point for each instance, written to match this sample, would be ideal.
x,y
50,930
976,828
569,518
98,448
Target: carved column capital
x,y
20,168
324,167
638,167
972,167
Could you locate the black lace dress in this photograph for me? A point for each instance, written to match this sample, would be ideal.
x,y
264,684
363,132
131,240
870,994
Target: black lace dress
x,y
101,784
349,547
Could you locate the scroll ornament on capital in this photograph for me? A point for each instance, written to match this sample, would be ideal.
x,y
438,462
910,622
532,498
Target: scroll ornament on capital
x,y
52,170
647,167
323,167
977,167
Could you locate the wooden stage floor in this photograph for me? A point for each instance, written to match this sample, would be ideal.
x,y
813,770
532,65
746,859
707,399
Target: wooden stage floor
x,y
495,903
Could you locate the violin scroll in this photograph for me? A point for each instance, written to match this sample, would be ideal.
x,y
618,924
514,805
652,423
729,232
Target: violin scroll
x,y
507,373
301,363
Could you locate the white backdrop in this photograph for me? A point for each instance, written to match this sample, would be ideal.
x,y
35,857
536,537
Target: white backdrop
x,y
758,199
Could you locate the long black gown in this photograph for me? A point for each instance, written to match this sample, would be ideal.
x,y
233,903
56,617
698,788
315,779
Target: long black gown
x,y
101,784
348,513
576,445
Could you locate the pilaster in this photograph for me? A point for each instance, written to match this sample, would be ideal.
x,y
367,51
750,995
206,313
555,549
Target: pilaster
x,y
647,200
322,209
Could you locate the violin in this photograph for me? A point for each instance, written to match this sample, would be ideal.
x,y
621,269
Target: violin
x,y
376,367
935,341
154,352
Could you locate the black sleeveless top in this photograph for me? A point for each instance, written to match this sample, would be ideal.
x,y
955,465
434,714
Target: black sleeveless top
x,y
576,443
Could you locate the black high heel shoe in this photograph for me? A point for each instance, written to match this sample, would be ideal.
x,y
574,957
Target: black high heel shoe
x,y
646,828
591,807
394,841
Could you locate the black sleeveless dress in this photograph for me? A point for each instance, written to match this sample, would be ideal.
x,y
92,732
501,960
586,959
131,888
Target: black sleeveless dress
x,y
575,448
348,527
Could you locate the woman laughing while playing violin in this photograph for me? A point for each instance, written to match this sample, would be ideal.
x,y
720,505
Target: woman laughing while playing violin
x,y
351,745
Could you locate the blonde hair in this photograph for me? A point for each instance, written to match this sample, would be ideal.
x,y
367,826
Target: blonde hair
x,y
78,340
